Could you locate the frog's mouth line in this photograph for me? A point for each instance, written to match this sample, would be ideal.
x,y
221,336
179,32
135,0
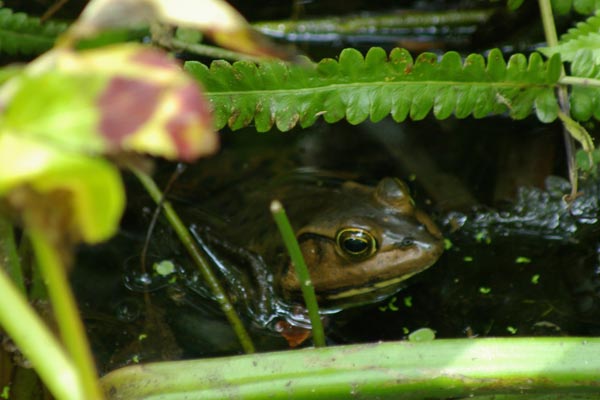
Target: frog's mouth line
x,y
367,289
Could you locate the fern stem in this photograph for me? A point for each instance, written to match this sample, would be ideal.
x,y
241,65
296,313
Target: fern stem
x,y
66,313
548,22
577,81
308,291
563,100
201,262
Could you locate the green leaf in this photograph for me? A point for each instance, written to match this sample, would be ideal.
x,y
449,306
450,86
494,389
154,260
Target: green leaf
x,y
582,159
546,107
585,6
422,335
67,109
585,100
356,88
21,34
436,369
63,108
562,7
109,100
514,4
578,132
585,36
96,194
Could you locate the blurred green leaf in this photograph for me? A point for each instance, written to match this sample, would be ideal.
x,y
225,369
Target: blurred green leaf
x,y
514,4
188,35
96,195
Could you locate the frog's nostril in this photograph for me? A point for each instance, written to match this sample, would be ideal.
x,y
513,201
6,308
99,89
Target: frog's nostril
x,y
406,242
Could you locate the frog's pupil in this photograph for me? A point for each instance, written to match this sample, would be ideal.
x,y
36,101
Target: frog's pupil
x,y
355,245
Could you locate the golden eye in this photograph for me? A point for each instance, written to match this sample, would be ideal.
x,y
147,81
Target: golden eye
x,y
355,243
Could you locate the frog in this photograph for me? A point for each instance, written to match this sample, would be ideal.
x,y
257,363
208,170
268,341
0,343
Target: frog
x,y
361,242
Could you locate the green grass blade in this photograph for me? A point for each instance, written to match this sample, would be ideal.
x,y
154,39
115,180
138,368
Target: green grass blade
x,y
308,291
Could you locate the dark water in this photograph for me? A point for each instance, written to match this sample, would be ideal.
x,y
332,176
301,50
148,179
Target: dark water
x,y
521,262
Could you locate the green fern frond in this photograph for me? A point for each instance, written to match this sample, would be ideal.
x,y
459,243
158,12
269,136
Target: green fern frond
x,y
562,7
584,36
21,34
585,100
357,88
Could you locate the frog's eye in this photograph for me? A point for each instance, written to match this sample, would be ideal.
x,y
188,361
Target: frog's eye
x,y
355,243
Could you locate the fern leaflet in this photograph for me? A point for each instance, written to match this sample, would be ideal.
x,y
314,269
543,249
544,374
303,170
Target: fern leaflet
x,y
585,100
584,36
21,34
562,7
357,88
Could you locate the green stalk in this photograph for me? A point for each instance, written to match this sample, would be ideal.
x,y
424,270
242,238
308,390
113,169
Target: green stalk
x,y
9,253
361,24
532,368
204,50
548,22
577,81
563,99
308,291
37,343
201,262
66,313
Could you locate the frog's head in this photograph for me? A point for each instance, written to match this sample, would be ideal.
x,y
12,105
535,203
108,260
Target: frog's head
x,y
363,246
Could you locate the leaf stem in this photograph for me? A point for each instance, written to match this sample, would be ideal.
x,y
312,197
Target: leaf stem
x,y
578,81
507,368
37,343
563,99
308,291
66,313
201,262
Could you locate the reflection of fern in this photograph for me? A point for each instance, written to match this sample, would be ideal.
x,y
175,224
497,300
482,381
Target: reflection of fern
x,y
21,34
358,88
